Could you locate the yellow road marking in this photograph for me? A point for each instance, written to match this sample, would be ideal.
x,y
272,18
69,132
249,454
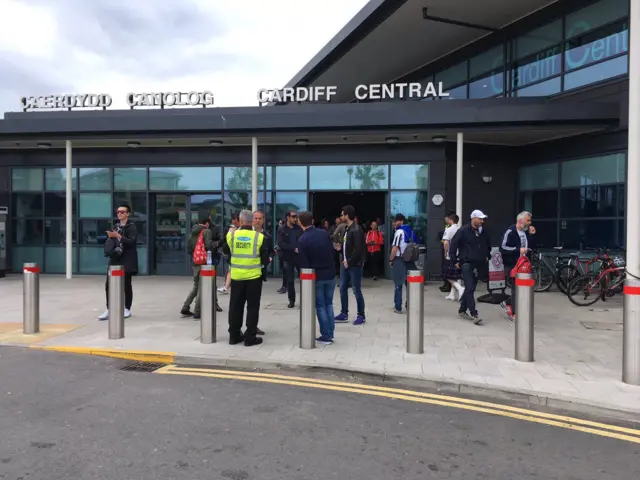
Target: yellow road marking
x,y
418,397
138,355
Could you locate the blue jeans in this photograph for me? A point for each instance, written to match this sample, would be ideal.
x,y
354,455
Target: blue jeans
x,y
355,275
324,307
468,300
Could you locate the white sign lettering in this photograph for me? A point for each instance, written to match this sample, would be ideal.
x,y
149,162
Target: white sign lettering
x,y
87,100
170,99
400,91
299,94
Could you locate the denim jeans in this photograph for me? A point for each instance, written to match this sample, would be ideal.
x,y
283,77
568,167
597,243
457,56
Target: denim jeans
x,y
353,274
468,300
324,306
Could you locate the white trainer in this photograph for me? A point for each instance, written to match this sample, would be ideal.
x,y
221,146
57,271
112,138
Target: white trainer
x,y
451,296
105,315
127,313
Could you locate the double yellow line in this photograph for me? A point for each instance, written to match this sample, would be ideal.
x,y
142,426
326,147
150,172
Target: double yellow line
x,y
577,424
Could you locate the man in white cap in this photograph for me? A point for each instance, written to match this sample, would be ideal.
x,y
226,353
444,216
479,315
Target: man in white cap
x,y
470,250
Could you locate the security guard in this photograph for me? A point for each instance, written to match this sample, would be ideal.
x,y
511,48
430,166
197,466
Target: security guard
x,y
249,253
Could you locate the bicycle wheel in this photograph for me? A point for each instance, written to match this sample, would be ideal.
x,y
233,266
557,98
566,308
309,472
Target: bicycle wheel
x,y
566,274
585,290
543,278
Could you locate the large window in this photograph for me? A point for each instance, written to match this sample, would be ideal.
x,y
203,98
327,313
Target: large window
x,y
577,203
349,177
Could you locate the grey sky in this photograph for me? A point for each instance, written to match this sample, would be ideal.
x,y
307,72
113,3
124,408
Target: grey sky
x,y
231,48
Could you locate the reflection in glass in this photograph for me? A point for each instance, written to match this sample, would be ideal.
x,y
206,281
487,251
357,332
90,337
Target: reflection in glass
x,y
596,73
207,204
26,179
491,60
600,170
185,178
27,204
234,202
596,46
93,232
349,177
291,178
56,179
289,201
55,204
546,233
22,255
130,179
595,15
55,260
538,176
414,206
592,201
96,205
55,231
542,89
487,86
92,259
457,93
170,234
453,75
622,200
95,179
239,178
532,70
27,232
588,233
137,202
410,177
542,203
540,38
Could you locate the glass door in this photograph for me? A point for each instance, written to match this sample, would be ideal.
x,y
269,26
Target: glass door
x,y
171,232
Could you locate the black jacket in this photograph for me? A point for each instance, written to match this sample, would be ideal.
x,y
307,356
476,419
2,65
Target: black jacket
x,y
288,241
356,252
129,257
470,246
511,245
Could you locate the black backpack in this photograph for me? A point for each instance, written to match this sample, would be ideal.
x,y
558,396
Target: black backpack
x,y
112,248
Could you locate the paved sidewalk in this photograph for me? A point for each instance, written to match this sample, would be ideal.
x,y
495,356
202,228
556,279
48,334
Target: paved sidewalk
x,y
573,363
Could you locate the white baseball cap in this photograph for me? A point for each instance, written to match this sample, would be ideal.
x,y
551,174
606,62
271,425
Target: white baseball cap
x,y
478,214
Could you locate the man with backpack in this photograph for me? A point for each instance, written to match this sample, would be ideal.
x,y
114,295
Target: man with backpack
x,y
201,247
404,254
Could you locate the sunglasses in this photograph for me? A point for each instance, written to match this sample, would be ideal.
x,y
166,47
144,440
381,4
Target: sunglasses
x,y
121,212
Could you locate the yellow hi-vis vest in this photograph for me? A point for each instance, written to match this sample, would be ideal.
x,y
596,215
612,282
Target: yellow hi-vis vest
x,y
245,254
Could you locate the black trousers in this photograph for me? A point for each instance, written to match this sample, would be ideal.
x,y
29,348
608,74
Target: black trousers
x,y
374,263
290,267
249,292
128,291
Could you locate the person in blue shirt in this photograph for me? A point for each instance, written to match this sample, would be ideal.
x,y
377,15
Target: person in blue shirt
x,y
315,250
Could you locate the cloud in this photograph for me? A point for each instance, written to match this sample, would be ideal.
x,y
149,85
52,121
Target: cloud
x,y
232,48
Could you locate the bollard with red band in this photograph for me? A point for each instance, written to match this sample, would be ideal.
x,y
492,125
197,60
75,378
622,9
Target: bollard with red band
x,y
307,308
524,316
206,295
30,298
415,312
631,331
116,302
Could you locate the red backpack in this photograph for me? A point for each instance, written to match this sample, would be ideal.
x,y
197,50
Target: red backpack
x,y
522,266
199,252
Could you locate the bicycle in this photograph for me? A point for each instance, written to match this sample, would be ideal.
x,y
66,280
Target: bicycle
x,y
545,271
578,266
587,289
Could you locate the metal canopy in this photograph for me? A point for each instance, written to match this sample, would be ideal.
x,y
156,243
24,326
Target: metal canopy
x,y
389,39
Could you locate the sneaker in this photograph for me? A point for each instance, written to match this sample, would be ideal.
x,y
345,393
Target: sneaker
x,y
186,312
104,316
342,318
360,319
451,296
324,341
476,319
395,310
508,311
282,290
375,279
223,291
464,315
127,313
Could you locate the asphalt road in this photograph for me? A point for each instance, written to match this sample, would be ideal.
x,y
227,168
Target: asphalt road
x,y
78,417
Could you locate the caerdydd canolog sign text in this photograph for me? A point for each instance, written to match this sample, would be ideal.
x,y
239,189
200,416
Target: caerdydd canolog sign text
x,y
104,100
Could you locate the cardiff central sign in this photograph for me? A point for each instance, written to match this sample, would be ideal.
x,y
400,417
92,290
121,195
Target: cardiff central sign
x,y
104,100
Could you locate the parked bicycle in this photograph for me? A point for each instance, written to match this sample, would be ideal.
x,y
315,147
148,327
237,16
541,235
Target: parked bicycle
x,y
578,265
587,289
546,269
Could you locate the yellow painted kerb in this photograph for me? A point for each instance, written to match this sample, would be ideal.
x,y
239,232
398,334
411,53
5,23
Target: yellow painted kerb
x,y
136,355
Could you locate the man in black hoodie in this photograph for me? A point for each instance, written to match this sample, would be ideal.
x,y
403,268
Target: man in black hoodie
x,y
470,250
210,245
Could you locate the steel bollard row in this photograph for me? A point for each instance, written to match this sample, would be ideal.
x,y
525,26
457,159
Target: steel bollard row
x,y
208,313
307,308
524,284
116,302
31,298
415,312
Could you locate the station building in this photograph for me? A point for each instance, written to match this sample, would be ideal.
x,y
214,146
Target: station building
x,y
529,97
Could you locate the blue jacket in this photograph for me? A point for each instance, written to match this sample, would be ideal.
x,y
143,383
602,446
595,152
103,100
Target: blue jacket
x,y
315,250
511,245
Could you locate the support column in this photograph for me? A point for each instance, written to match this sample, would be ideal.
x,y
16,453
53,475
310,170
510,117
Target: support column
x,y
254,174
459,164
69,212
631,315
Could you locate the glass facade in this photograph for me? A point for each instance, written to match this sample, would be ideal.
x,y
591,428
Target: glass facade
x,y
167,201
584,47
577,203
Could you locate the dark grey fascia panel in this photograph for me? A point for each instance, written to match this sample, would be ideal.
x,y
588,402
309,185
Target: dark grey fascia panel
x,y
249,121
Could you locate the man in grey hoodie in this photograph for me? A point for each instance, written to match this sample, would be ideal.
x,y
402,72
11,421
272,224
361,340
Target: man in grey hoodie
x,y
210,245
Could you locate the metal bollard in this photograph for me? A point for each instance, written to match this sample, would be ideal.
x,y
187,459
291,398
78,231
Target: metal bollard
x,y
116,302
30,298
524,316
415,312
208,314
307,308
631,332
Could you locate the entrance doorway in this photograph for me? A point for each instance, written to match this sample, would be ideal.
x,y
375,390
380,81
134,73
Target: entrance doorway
x,y
369,207
172,218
